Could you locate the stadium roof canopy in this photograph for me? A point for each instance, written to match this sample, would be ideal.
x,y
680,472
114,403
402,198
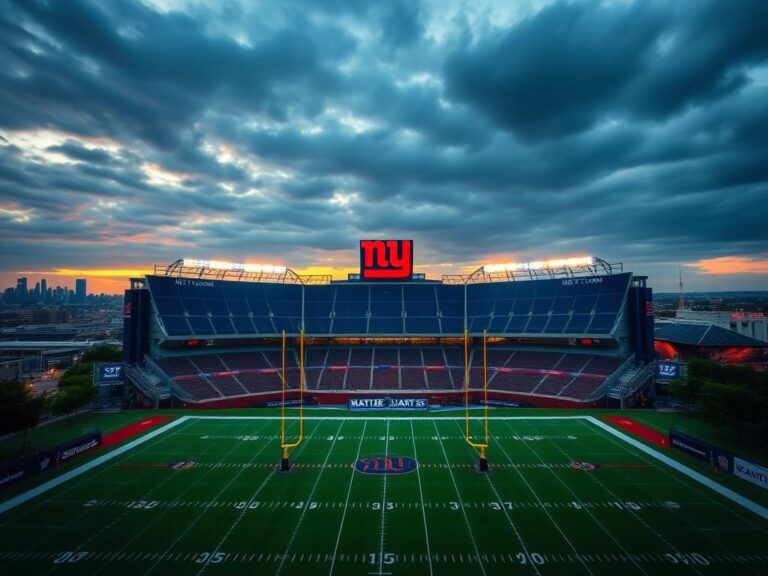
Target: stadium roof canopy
x,y
703,334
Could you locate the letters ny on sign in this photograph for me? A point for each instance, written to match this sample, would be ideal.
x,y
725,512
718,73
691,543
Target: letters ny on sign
x,y
386,259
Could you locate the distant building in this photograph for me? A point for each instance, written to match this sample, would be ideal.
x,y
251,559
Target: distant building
x,y
44,289
22,292
751,324
80,290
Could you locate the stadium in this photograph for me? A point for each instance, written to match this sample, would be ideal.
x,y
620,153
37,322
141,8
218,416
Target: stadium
x,y
386,424
558,334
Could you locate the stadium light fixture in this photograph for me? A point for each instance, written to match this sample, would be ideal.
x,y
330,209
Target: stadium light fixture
x,y
540,264
234,266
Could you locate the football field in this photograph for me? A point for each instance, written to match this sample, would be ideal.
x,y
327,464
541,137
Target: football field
x,y
203,495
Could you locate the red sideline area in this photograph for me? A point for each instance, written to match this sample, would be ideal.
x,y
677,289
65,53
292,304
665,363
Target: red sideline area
x,y
132,430
644,432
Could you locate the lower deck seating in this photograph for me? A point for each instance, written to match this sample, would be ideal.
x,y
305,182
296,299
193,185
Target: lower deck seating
x,y
547,373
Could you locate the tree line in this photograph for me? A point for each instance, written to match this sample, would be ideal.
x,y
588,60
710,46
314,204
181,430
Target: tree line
x,y
21,410
732,396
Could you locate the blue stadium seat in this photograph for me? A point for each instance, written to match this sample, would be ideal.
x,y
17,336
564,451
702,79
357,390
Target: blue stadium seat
x,y
167,306
243,325
452,325
222,325
200,325
517,324
176,325
557,322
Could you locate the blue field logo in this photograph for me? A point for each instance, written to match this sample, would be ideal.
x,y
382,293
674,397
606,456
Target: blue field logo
x,y
386,465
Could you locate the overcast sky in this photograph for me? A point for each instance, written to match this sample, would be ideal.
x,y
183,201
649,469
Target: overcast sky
x,y
136,133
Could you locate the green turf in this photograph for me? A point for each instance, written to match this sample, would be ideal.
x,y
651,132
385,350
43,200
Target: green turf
x,y
234,513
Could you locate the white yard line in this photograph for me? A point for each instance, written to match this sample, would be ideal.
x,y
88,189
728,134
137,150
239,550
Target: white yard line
x,y
346,502
683,469
243,512
383,506
511,523
610,535
125,544
461,502
309,499
695,488
758,509
672,548
544,508
74,473
421,498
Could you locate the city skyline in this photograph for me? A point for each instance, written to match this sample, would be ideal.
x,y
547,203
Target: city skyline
x,y
136,133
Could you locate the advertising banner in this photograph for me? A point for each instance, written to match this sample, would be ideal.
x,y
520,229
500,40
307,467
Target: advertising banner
x,y
109,373
690,445
78,446
405,404
667,371
750,472
22,468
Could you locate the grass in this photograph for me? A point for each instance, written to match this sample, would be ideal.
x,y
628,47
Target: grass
x,y
233,512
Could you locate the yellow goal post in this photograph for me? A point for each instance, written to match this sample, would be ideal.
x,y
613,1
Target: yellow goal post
x,y
481,446
284,444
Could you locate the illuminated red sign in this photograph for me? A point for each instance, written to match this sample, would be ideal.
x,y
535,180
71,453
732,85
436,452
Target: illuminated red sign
x,y
747,315
386,259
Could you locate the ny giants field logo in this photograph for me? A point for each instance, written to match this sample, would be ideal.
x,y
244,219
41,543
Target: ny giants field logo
x,y
386,259
385,465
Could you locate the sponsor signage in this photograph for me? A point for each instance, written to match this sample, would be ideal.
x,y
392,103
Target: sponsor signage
x,y
385,465
750,472
386,260
23,468
667,371
110,372
701,450
78,446
691,446
405,404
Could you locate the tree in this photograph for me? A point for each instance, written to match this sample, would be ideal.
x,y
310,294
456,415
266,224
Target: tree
x,y
106,353
731,396
70,398
19,410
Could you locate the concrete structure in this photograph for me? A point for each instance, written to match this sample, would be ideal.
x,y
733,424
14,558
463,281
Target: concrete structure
x,y
751,324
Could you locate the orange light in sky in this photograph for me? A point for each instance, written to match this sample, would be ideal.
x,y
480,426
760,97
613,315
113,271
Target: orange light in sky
x,y
100,280
732,265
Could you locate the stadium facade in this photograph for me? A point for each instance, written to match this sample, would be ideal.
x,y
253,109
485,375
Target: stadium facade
x,y
556,333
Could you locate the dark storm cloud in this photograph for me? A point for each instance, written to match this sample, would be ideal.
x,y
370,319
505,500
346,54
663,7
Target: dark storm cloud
x,y
632,130
575,64
76,151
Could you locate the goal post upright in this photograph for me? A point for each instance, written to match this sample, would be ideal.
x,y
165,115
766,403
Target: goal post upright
x,y
481,447
285,463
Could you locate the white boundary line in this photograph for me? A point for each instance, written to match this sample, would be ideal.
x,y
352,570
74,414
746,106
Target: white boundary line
x,y
734,497
683,469
59,480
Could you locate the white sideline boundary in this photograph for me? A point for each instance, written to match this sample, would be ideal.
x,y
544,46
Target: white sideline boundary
x,y
683,469
75,472
727,493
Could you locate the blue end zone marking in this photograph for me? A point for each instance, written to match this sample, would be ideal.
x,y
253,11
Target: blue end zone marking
x,y
59,480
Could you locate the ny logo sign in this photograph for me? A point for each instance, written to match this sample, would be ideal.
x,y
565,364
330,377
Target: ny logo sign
x,y
386,259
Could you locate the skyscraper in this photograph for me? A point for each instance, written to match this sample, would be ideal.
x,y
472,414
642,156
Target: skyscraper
x,y
22,292
44,290
80,290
